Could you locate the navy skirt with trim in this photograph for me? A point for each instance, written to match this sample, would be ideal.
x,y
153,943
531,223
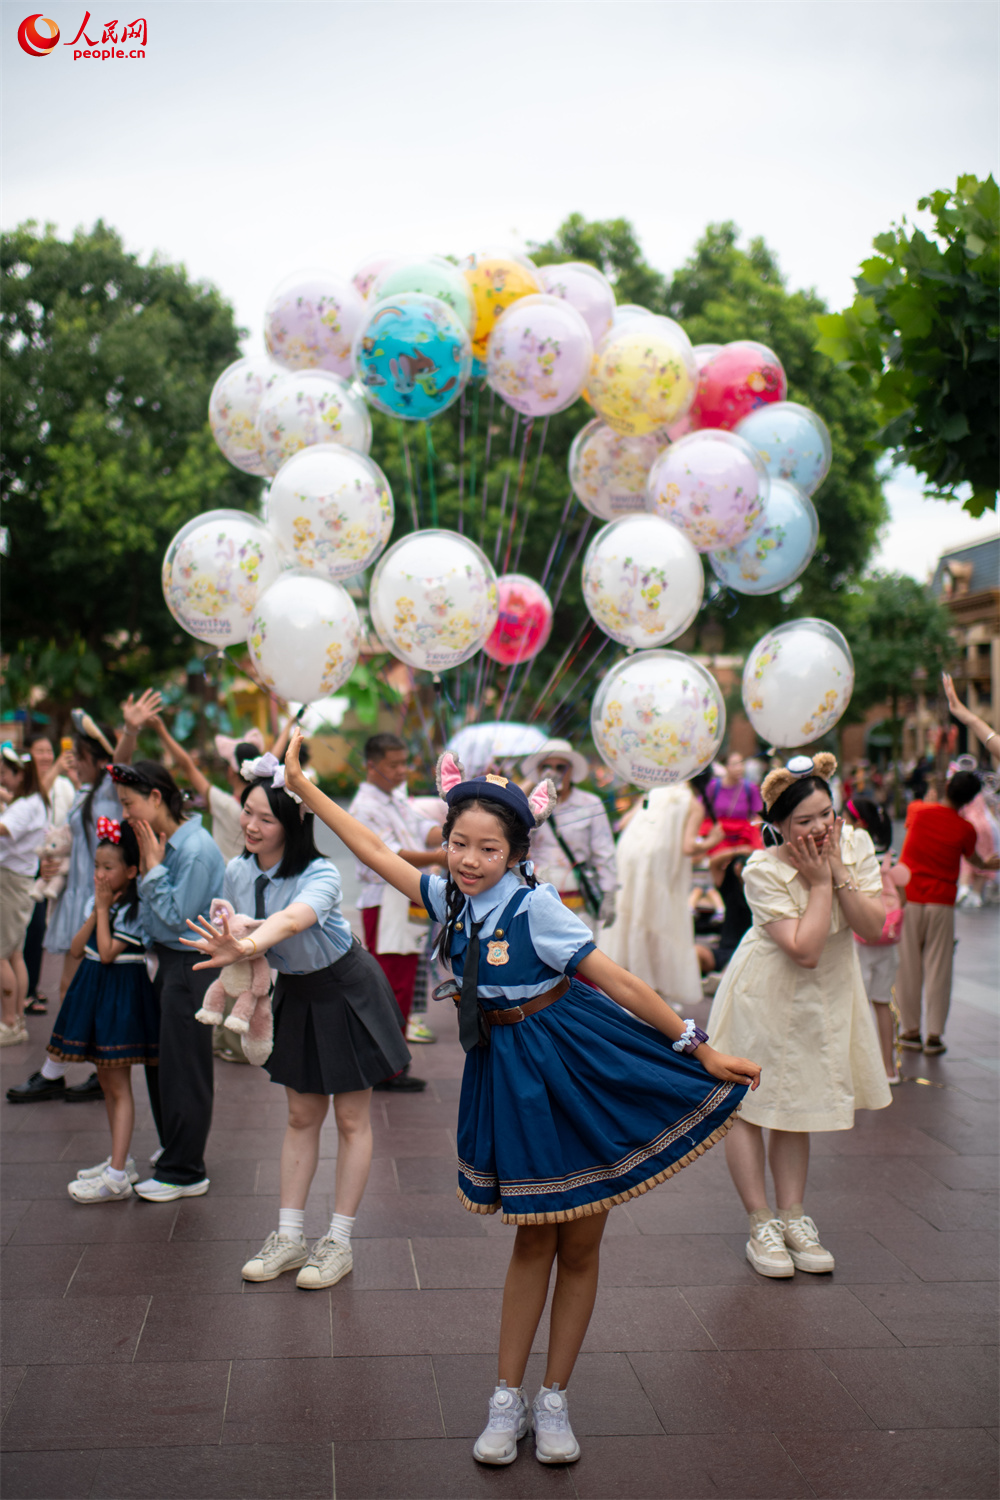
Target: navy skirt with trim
x,y
110,1017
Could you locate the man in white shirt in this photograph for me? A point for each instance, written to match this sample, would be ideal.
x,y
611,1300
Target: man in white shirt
x,y
575,849
382,805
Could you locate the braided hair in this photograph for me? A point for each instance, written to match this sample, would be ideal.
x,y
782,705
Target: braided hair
x,y
517,836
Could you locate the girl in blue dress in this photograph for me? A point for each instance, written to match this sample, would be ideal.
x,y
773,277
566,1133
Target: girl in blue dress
x,y
569,1104
110,1017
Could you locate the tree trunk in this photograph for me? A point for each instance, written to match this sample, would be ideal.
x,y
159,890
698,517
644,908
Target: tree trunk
x,y
897,768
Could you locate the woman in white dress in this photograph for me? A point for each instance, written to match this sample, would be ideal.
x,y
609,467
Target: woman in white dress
x,y
794,998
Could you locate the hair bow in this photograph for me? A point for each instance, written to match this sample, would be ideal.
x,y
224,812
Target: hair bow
x,y
267,767
13,757
109,831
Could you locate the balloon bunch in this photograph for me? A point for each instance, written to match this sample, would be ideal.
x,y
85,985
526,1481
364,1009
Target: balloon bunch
x,y
692,450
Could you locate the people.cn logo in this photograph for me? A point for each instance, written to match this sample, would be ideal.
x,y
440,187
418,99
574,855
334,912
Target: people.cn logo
x,y
35,42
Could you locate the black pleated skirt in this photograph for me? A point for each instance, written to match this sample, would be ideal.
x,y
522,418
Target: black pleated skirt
x,y
337,1030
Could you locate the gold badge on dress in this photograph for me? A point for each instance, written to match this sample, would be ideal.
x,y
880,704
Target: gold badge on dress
x,y
496,780
496,953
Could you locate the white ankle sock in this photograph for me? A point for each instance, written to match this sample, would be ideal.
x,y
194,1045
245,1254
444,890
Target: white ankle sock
x,y
292,1221
114,1174
52,1069
340,1230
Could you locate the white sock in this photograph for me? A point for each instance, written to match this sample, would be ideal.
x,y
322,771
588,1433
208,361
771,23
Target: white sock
x,y
292,1222
340,1230
114,1174
52,1069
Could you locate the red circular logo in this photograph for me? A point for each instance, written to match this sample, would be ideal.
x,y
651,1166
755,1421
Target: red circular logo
x,y
33,41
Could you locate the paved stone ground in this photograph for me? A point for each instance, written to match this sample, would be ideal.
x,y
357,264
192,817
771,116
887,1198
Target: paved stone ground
x,y
138,1363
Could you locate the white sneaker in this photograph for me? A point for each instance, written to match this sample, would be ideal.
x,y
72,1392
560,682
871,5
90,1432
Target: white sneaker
x,y
508,1424
86,1173
417,1030
11,1035
103,1189
327,1264
278,1253
554,1439
802,1239
766,1250
166,1192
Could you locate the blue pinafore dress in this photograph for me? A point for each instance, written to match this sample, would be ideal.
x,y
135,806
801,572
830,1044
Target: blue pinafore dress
x,y
110,1015
580,1106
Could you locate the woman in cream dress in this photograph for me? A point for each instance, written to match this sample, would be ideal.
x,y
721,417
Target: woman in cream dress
x,y
793,997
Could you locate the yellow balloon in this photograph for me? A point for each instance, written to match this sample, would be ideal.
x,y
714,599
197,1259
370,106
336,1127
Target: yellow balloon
x,y
496,279
645,375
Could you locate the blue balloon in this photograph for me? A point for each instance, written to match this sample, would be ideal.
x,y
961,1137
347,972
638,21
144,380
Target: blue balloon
x,y
793,442
413,356
778,550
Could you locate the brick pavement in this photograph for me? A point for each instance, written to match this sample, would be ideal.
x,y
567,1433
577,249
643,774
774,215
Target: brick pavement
x,y
139,1364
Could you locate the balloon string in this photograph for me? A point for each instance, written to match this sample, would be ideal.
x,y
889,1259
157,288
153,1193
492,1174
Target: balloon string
x,y
506,487
584,529
431,481
474,438
531,497
559,539
560,714
425,727
525,679
529,428
461,465
409,474
574,646
486,468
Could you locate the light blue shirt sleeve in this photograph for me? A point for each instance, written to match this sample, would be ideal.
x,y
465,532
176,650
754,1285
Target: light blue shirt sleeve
x,y
557,936
183,886
433,890
318,887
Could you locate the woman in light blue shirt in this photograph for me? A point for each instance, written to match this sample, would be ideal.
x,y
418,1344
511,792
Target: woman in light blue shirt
x,y
337,1027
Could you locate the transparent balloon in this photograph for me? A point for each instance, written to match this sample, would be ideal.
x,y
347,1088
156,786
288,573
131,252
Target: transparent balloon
x,y
737,379
627,312
365,276
712,485
412,355
644,375
689,422
658,718
331,509
585,288
540,355
233,407
434,599
797,682
311,320
608,470
496,279
309,407
642,581
524,622
304,637
778,550
793,442
215,569
434,277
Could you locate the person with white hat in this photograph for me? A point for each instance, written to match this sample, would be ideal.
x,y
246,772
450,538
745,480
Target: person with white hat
x,y
575,849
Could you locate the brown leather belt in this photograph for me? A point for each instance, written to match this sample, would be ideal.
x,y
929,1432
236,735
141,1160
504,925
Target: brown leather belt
x,y
529,1008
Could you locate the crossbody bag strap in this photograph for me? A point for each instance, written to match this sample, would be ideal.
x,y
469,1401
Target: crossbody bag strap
x,y
591,901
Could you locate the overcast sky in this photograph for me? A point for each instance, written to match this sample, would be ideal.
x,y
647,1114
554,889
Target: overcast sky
x,y
255,139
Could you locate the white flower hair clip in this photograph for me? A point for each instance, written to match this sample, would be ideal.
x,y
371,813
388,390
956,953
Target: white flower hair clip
x,y
267,767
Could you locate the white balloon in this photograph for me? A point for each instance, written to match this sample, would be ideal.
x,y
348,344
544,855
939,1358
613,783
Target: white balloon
x,y
608,469
304,637
434,599
215,569
233,407
586,289
797,682
658,718
331,509
309,407
642,581
310,321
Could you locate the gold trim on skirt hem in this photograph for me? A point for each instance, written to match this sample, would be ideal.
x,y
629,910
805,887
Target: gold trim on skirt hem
x,y
585,1210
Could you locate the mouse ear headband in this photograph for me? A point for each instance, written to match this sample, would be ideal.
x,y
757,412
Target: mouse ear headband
x,y
822,765
531,810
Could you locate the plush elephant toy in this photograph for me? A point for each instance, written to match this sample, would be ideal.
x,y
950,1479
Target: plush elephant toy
x,y
248,983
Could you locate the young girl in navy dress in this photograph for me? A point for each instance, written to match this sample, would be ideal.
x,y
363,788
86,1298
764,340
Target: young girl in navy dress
x,y
110,1016
567,1108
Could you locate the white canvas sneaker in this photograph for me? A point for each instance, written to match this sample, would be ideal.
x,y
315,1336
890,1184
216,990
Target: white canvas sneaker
x,y
85,1173
766,1250
279,1253
508,1424
554,1439
802,1239
327,1264
103,1189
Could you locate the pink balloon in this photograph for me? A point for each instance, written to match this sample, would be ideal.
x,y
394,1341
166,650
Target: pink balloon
x,y
734,382
712,486
539,355
586,289
525,621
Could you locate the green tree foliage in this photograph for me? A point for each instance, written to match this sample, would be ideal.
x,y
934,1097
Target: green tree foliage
x,y
922,337
107,368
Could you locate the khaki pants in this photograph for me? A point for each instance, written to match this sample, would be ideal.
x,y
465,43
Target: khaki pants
x,y
926,954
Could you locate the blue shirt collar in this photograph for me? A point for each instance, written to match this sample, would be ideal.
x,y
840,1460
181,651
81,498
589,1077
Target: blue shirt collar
x,y
193,820
487,902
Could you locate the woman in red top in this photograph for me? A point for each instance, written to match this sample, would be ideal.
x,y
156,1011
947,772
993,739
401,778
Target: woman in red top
x,y
936,839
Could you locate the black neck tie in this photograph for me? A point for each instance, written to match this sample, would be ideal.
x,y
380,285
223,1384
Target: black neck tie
x,y
468,1007
260,886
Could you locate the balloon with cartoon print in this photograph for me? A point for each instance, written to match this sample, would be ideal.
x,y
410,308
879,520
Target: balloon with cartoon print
x,y
331,509
608,470
434,277
369,271
304,637
736,380
712,486
311,320
539,356
658,718
496,278
233,407
689,422
642,581
433,599
644,375
308,407
585,288
793,442
524,622
215,569
413,356
778,549
797,682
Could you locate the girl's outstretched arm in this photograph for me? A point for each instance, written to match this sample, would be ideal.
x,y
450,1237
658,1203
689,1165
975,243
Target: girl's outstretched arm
x,y
368,847
635,995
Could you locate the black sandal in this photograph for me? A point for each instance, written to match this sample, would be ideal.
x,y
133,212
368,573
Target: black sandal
x,y
36,1007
